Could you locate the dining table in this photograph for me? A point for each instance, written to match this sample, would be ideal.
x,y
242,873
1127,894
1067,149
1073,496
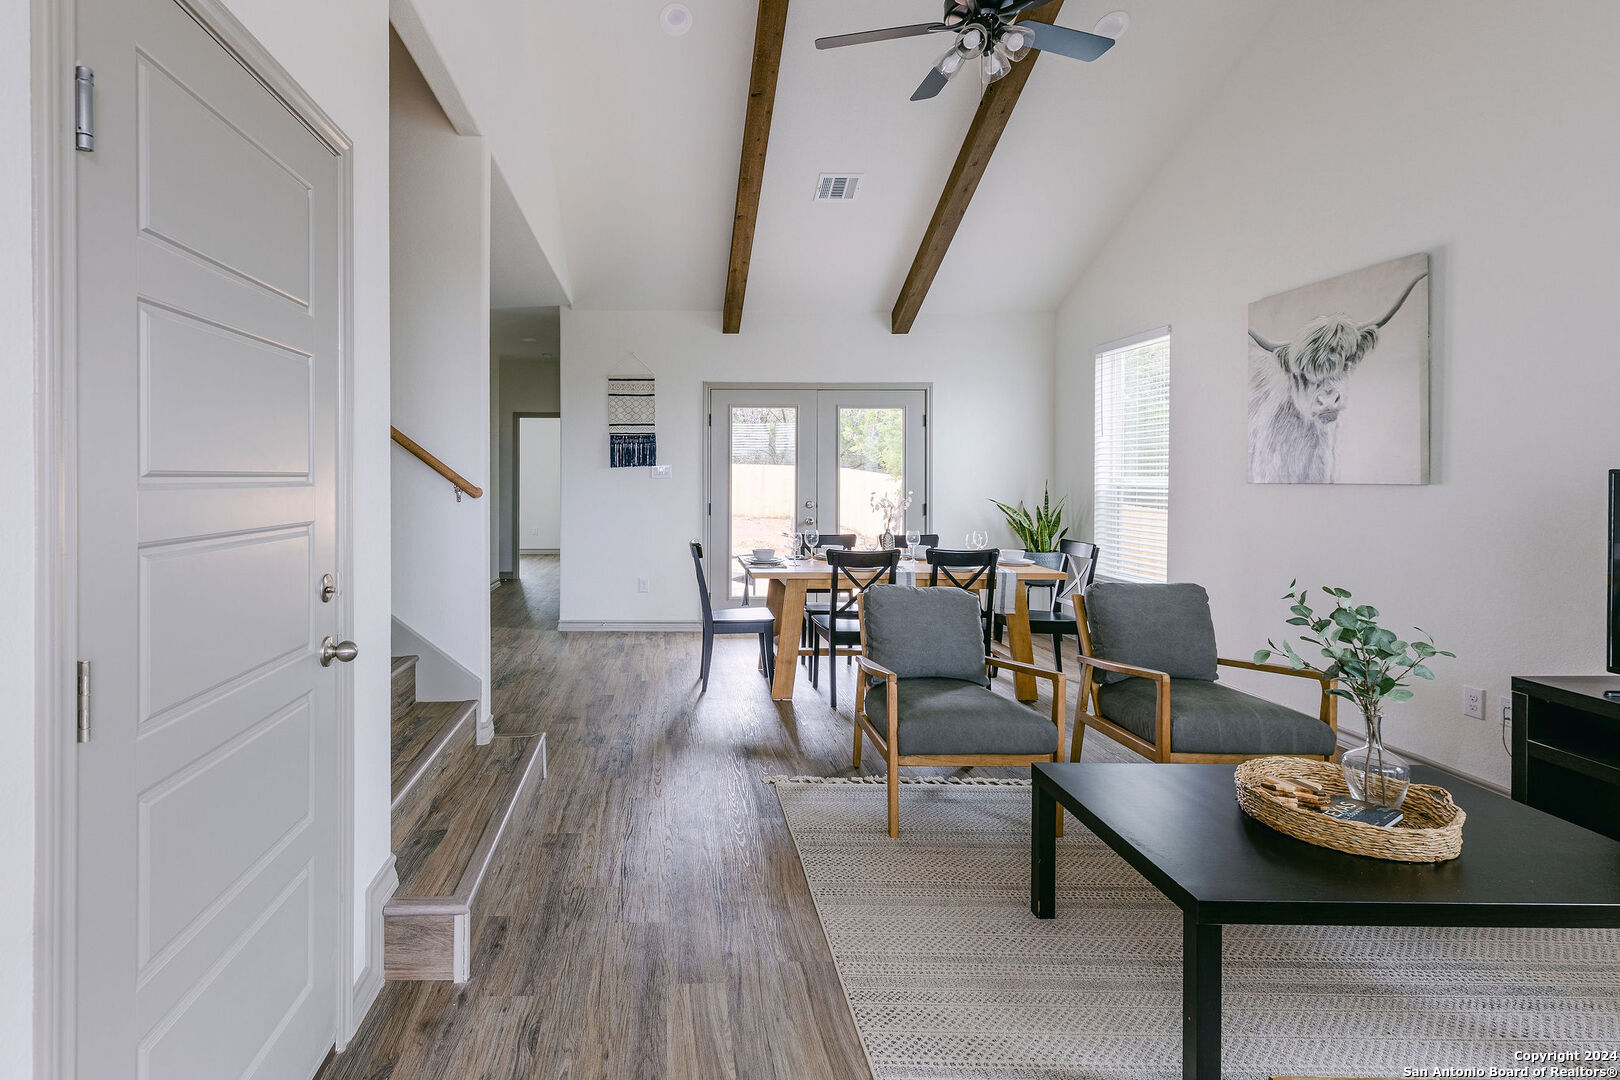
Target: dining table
x,y
788,582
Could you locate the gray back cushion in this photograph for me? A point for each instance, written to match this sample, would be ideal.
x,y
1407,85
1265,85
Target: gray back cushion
x,y
1164,627
925,633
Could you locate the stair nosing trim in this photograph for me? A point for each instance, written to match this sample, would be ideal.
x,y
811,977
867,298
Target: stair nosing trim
x,y
401,665
478,865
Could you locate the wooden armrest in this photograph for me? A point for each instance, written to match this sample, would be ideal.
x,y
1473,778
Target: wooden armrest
x,y
1279,669
872,667
1124,669
999,659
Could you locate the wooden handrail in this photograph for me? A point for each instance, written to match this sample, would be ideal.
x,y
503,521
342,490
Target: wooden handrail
x,y
461,483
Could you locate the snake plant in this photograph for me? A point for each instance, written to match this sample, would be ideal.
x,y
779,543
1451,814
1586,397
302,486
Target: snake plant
x,y
1040,530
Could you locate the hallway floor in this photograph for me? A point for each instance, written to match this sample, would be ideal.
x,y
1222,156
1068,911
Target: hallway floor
x,y
646,915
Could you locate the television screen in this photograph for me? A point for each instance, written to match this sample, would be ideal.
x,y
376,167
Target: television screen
x,y
1614,571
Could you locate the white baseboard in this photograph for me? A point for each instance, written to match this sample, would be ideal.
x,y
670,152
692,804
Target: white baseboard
x,y
369,983
672,626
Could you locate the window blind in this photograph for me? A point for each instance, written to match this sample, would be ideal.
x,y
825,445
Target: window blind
x,y
1132,483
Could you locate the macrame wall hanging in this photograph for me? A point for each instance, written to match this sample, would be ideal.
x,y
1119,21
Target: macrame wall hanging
x,y
632,410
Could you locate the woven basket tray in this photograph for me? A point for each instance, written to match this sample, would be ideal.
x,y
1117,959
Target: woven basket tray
x,y
1430,831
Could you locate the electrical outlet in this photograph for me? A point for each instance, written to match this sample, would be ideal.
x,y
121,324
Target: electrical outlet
x,y
662,472
641,584
1504,708
1474,702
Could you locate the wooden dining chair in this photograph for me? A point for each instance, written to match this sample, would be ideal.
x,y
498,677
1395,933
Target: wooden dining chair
x,y
853,572
732,621
925,698
1056,618
815,600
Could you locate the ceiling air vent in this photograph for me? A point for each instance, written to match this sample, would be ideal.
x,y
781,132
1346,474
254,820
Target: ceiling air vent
x,y
837,187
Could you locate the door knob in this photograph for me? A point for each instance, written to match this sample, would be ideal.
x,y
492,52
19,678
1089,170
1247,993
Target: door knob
x,y
809,504
333,649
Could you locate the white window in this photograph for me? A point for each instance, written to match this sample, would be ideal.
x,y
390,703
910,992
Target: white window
x,y
1132,432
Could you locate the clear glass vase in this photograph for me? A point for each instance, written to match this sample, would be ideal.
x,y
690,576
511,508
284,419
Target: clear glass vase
x,y
1374,773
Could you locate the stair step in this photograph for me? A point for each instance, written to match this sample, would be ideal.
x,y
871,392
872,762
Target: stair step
x,y
421,732
446,829
402,676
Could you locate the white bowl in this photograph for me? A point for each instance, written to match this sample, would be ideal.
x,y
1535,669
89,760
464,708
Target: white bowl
x,y
764,554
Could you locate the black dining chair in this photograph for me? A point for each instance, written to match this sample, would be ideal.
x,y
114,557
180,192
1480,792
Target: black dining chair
x,y
815,602
974,571
840,627
1057,617
732,621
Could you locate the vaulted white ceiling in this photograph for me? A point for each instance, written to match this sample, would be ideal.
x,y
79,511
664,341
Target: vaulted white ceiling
x,y
646,132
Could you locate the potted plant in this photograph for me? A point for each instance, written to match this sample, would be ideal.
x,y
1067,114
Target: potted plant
x,y
1372,666
1039,531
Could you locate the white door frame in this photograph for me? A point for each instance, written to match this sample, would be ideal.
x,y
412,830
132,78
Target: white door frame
x,y
56,796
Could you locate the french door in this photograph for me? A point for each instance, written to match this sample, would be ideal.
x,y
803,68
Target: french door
x,y
785,459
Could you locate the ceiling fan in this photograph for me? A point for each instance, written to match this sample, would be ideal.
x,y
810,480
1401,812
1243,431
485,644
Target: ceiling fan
x,y
985,30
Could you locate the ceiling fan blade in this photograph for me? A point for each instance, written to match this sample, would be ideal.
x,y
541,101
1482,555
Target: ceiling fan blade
x,y
1073,43
931,85
1018,7
838,41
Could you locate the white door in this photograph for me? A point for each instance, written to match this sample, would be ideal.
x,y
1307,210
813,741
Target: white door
x,y
209,261
782,459
762,478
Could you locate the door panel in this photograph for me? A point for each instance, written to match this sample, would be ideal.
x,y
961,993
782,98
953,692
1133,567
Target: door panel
x,y
762,474
209,235
785,458
872,444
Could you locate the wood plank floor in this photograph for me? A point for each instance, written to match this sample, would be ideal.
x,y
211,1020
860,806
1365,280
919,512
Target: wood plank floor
x,y
416,727
645,915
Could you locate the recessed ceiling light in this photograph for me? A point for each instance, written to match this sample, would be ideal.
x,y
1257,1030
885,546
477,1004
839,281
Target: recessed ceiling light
x,y
547,356
527,340
676,19
1112,25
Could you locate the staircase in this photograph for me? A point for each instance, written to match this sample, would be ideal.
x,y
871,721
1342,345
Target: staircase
x,y
451,802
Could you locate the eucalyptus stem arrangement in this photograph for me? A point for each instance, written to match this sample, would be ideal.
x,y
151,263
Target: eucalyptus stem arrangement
x,y
1372,665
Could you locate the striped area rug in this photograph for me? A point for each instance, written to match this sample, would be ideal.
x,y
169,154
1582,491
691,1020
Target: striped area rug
x,y
949,975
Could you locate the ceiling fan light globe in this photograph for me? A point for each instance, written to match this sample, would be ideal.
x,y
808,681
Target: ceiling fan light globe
x,y
1017,41
951,62
972,41
995,67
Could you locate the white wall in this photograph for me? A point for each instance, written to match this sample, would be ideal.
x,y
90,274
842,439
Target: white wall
x,y
991,421
491,51
539,480
532,386
440,289
1354,133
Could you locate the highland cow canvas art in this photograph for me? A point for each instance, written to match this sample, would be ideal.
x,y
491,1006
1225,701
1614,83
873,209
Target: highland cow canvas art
x,y
1339,379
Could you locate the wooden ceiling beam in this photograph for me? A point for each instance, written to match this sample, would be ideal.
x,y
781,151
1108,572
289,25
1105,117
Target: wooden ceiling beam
x,y
768,33
995,109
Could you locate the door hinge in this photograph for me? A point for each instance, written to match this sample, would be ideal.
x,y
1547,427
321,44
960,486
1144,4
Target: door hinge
x,y
925,419
84,701
925,510
84,121
711,419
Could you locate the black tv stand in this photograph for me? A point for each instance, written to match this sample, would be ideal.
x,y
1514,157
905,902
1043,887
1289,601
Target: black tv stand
x,y
1566,748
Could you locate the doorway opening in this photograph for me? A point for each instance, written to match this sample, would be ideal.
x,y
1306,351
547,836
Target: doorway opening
x,y
537,482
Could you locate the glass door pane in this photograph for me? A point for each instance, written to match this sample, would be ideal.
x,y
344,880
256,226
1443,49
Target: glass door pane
x,y
872,448
761,476
871,467
764,442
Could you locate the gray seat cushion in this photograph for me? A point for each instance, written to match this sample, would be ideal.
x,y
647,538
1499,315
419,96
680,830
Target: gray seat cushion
x,y
925,633
1208,718
1164,627
952,716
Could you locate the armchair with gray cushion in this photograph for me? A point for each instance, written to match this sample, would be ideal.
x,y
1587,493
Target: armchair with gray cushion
x,y
924,694
1150,683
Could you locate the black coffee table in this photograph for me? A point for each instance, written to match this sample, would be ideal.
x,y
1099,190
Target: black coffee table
x,y
1180,827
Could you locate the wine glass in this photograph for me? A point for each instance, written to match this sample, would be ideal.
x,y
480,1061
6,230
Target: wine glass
x,y
977,538
913,538
811,538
